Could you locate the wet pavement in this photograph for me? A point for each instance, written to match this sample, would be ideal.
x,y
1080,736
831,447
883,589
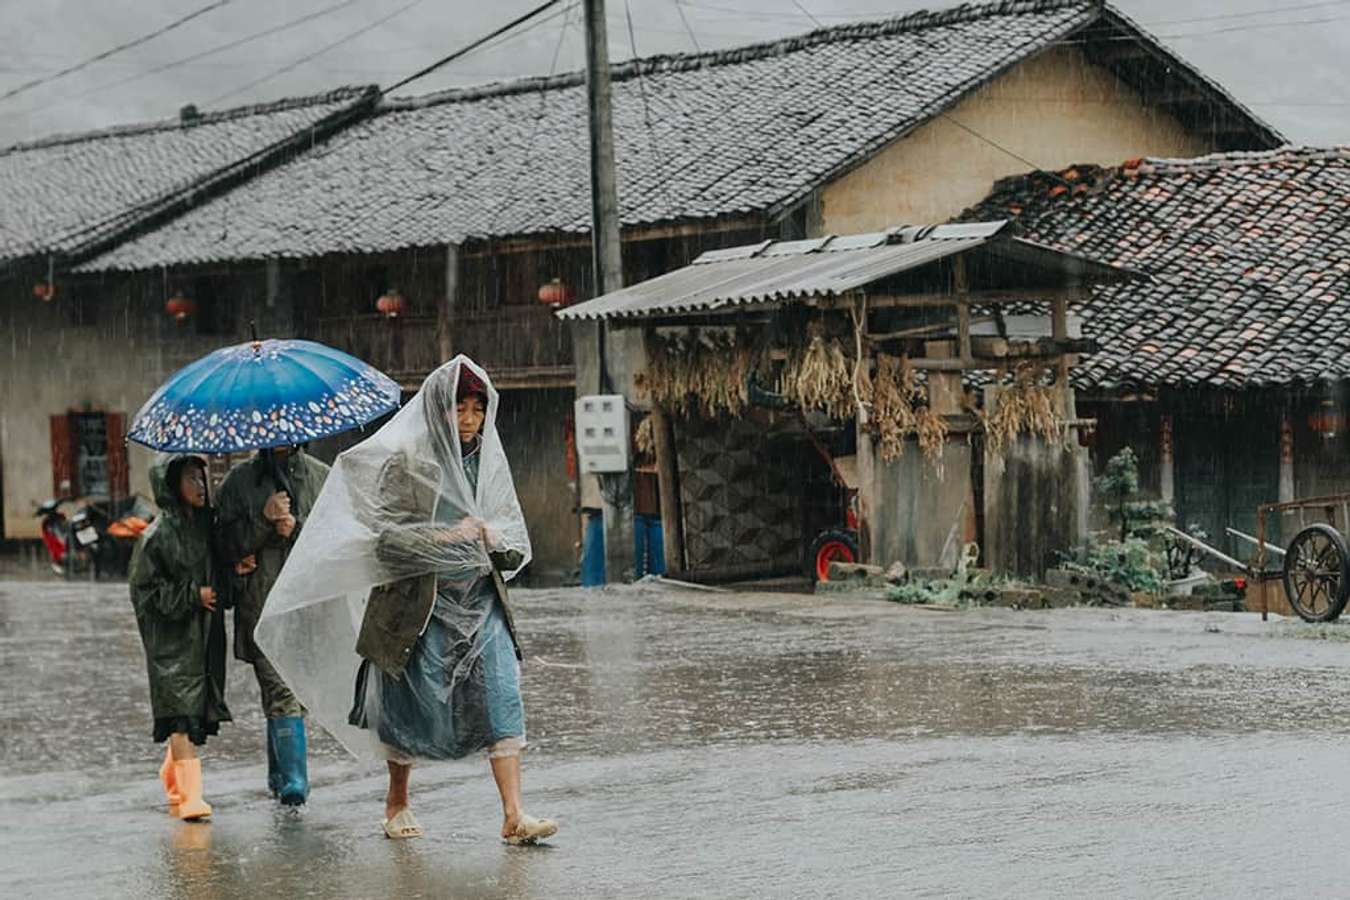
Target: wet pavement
x,y
729,745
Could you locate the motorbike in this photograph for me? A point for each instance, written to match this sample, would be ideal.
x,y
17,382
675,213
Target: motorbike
x,y
97,537
56,535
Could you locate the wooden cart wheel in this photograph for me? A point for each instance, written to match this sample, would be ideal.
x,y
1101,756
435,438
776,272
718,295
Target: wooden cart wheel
x,y
1317,573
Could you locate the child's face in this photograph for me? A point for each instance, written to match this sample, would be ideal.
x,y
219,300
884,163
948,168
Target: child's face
x,y
469,415
192,486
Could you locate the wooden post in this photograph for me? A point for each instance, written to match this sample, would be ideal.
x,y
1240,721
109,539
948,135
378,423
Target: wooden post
x,y
445,345
867,489
667,471
1286,459
961,287
945,391
1059,330
1166,484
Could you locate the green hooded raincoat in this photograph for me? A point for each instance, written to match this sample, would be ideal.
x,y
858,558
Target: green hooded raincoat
x,y
184,643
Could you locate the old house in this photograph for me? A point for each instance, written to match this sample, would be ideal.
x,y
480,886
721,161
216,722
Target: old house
x,y
82,353
473,204
1226,372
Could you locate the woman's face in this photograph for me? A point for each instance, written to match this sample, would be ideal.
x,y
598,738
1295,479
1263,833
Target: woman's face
x,y
192,485
469,415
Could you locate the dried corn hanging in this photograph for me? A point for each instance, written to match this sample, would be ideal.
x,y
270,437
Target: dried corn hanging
x,y
1025,406
822,379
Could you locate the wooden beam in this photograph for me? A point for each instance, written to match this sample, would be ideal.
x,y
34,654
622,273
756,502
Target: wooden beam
x,y
667,473
582,240
952,300
1119,51
445,310
921,330
534,378
1181,97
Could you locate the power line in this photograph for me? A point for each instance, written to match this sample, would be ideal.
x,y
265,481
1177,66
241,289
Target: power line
x,y
519,20
27,86
221,48
1247,15
647,110
317,53
528,154
687,27
806,12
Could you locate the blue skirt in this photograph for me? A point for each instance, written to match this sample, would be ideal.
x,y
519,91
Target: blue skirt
x,y
460,692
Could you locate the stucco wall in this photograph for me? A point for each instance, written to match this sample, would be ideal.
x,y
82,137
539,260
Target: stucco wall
x,y
1052,111
107,358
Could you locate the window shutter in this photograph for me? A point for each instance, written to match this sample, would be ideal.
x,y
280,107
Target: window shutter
x,y
63,458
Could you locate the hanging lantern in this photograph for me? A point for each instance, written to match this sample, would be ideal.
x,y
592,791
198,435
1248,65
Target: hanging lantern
x,y
1328,421
555,293
180,307
392,304
44,291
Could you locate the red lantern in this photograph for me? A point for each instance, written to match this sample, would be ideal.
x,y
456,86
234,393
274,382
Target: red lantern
x,y
392,304
180,307
44,291
555,293
1327,422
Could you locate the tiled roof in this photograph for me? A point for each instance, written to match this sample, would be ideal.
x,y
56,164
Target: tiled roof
x,y
744,132
61,193
1249,252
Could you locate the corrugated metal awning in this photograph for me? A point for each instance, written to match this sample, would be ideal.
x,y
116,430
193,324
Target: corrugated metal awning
x,y
783,271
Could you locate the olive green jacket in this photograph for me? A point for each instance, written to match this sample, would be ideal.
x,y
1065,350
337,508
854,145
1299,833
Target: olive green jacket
x,y
244,532
397,613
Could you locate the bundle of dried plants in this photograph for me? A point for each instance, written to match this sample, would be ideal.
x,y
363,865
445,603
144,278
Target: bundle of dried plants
x,y
1026,406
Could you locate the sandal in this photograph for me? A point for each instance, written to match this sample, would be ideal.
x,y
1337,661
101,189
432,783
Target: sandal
x,y
402,826
530,830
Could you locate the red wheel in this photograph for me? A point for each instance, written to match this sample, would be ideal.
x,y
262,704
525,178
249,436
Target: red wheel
x,y
832,546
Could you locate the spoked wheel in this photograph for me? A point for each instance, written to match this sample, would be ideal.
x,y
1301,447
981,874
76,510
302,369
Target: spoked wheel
x,y
1317,573
832,546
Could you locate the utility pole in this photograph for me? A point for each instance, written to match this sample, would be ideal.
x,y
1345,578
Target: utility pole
x,y
607,264
606,254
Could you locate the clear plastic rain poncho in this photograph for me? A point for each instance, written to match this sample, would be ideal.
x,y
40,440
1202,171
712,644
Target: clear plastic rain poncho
x,y
398,507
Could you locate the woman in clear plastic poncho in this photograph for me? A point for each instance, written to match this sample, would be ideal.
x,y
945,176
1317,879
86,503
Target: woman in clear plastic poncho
x,y
399,579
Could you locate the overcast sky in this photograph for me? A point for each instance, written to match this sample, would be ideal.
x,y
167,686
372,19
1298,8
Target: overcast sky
x,y
1286,59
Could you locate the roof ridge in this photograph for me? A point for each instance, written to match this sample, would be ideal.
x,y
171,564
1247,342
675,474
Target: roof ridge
x,y
336,95
1236,158
684,62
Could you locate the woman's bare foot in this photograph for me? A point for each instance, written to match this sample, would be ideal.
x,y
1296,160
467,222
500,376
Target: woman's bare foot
x,y
396,799
510,823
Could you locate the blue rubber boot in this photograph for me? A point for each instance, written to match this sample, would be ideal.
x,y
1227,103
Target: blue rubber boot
x,y
292,764
273,770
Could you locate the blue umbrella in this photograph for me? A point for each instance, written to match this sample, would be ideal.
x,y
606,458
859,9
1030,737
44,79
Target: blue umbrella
x,y
262,394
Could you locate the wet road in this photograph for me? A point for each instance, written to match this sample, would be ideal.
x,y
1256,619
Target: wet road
x,y
700,745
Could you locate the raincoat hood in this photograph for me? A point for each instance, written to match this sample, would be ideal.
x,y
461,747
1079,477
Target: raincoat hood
x,y
165,477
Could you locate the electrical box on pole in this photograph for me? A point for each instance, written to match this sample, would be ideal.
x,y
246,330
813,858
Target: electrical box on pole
x,y
602,434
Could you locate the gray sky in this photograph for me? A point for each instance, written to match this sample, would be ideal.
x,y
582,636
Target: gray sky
x,y
1284,58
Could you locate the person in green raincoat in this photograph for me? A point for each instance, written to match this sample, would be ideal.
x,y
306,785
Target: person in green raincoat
x,y
172,578
262,509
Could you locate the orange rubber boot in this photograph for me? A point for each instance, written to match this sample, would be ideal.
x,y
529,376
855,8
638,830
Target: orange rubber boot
x,y
188,774
166,777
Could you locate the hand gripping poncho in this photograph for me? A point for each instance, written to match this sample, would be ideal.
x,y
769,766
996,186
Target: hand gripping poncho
x,y
440,526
